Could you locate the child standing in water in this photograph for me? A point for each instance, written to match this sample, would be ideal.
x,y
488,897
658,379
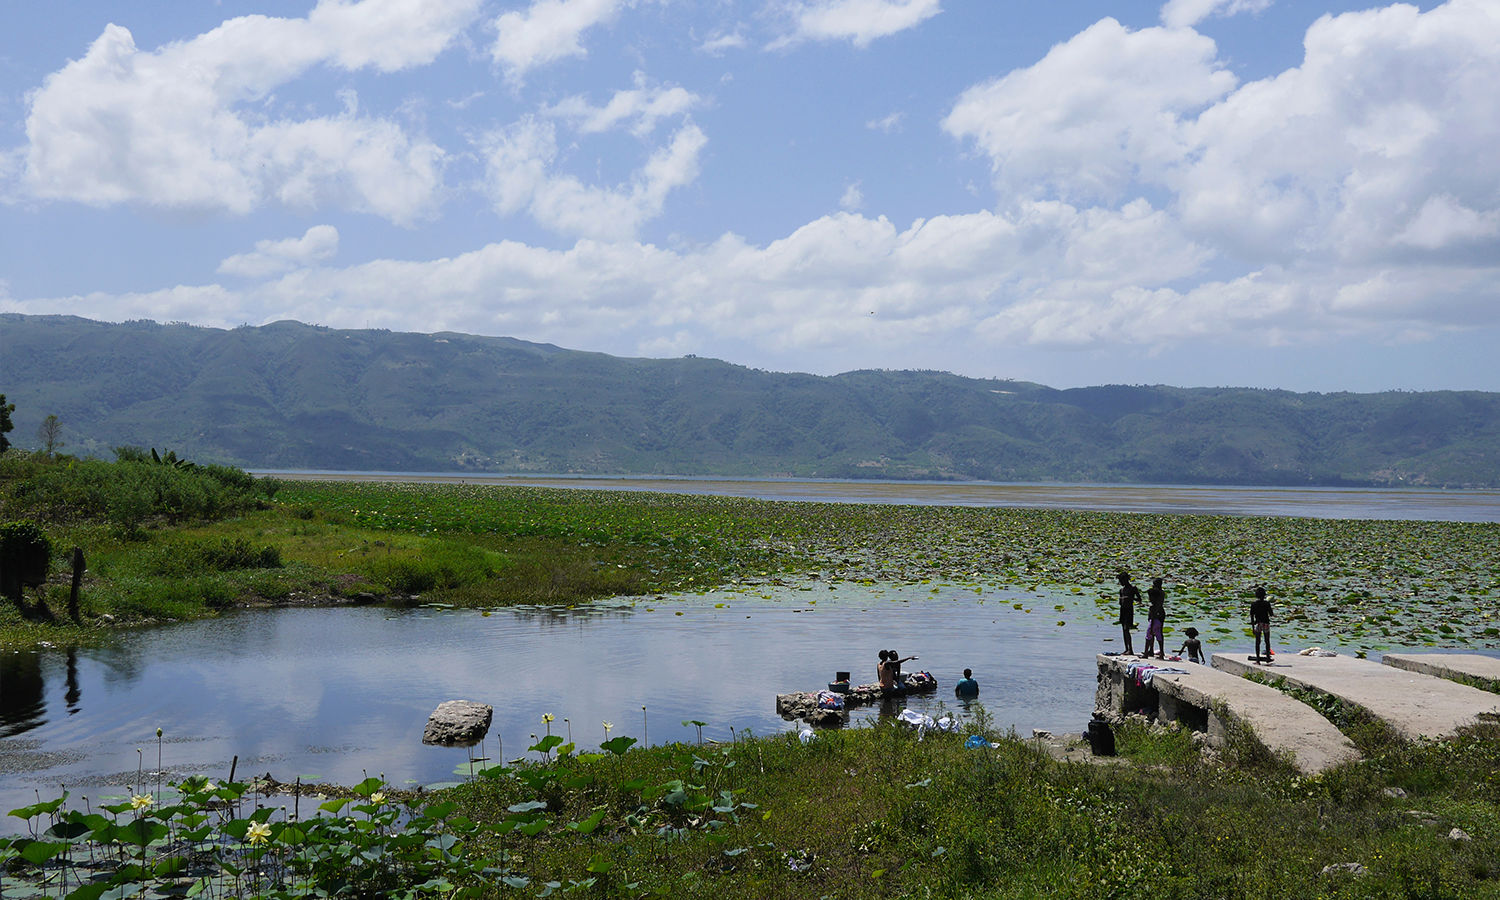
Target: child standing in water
x,y
1156,619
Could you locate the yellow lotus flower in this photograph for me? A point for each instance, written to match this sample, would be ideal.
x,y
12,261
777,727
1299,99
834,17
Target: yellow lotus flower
x,y
258,833
141,801
547,718
377,797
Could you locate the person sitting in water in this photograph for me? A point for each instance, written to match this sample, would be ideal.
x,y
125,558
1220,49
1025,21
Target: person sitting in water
x,y
1192,646
966,688
890,670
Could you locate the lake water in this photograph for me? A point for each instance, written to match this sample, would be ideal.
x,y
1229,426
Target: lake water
x,y
1320,503
335,693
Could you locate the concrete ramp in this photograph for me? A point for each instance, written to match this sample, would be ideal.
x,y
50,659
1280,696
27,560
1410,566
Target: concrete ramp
x,y
1414,704
1480,671
1196,698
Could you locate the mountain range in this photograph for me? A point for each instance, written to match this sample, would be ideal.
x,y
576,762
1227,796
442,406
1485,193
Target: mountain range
x,y
294,396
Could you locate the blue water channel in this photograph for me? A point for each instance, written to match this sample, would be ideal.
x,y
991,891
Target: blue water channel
x,y
333,694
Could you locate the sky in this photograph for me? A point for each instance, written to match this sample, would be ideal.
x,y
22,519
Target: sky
x,y
1264,193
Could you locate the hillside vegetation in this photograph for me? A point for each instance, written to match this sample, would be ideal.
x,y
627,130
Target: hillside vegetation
x,y
289,395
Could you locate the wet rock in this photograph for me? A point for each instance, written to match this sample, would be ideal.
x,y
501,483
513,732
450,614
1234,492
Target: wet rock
x,y
458,723
824,718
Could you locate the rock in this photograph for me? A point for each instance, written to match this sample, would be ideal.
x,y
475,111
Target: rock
x,y
1040,733
1394,793
824,718
1458,834
1351,868
458,723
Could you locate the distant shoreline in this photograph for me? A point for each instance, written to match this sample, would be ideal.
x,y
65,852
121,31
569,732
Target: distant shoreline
x,y
1407,504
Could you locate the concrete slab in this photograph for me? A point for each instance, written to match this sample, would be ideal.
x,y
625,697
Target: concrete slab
x,y
1485,670
1282,723
1414,704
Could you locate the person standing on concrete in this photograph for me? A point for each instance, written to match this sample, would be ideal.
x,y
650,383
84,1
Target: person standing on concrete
x,y
1156,619
966,688
1260,623
1129,594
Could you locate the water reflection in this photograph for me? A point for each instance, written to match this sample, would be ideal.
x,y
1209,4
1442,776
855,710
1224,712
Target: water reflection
x,y
21,706
336,693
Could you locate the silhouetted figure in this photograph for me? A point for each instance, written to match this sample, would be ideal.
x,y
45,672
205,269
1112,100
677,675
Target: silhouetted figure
x,y
1129,594
1156,619
1260,623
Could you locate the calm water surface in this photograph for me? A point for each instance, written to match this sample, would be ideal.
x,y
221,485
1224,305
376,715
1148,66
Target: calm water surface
x,y
335,693
1320,503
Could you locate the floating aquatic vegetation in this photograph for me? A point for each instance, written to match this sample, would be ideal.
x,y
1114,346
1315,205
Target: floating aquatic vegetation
x,y
1370,583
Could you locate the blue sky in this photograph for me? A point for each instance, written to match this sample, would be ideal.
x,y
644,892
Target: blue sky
x,y
1202,192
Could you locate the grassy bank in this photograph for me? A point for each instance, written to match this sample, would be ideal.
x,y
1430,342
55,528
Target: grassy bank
x,y
865,813
1366,584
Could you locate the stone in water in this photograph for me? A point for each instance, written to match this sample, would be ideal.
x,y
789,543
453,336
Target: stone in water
x,y
458,723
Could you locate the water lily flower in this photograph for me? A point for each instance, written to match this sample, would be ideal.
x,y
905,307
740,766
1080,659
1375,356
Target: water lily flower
x,y
377,797
258,833
141,801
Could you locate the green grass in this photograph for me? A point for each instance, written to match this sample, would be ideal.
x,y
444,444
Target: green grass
x,y
873,812
1369,584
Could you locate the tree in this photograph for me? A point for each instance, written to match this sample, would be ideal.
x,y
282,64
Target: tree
x,y
50,434
5,423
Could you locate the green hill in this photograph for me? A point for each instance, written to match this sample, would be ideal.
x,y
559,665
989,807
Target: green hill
x,y
289,395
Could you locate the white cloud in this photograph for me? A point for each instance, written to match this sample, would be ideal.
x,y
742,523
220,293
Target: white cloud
x,y
389,34
318,243
857,21
1044,274
1443,222
889,123
1100,110
937,278
175,127
520,164
549,30
1383,136
644,106
853,197
723,41
1187,13
1323,185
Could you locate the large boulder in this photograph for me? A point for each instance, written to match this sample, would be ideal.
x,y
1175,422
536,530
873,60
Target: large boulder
x,y
458,723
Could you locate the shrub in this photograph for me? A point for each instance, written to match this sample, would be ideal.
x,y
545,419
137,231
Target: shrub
x,y
25,557
128,493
